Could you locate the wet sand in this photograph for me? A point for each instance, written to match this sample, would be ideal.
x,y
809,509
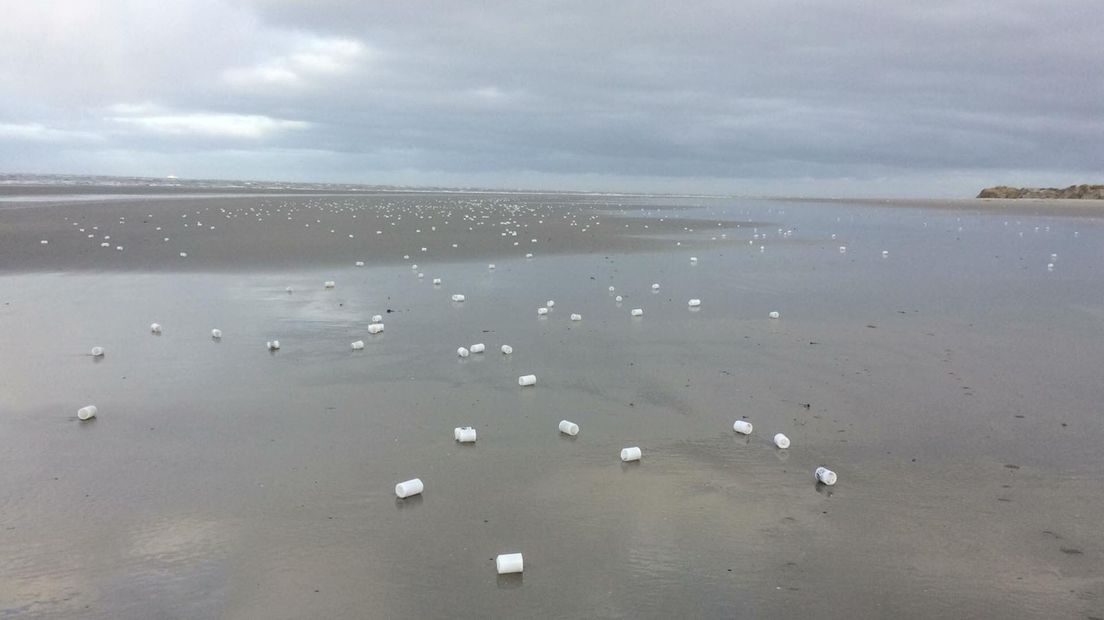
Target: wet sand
x,y
953,385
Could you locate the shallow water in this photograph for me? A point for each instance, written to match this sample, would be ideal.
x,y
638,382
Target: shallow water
x,y
953,385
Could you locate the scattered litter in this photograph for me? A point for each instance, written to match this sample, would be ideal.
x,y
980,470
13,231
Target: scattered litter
x,y
694,303
825,475
542,311
436,281
781,441
507,349
742,426
478,348
655,287
359,263
329,284
630,454
377,318
509,563
569,428
637,312
216,333
774,315
273,345
576,317
619,299
550,303
491,266
97,351
526,380
408,488
87,413
358,345
464,434
458,298
155,328
462,352
375,328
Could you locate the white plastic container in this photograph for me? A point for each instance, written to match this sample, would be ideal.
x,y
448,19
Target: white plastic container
x,y
569,428
527,380
611,289
742,426
408,488
155,328
273,345
458,298
478,348
693,259
630,454
87,413
576,317
550,303
619,299
436,281
491,266
375,328
329,284
781,441
637,312
507,349
774,315
655,287
465,434
462,352
509,563
97,351
359,263
358,345
542,311
377,318
216,334
825,475
694,303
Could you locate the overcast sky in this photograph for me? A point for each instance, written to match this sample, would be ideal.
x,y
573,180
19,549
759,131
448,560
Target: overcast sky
x,y
887,97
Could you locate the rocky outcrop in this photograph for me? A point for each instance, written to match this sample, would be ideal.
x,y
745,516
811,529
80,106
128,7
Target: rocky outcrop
x,y
1073,192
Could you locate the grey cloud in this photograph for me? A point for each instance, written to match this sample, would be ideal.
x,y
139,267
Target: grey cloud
x,y
721,95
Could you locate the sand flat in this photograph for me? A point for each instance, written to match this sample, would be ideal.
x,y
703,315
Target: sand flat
x,y
953,385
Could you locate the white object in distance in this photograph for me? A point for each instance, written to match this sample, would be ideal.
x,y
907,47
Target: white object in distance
x,y
618,299
507,349
774,315
216,333
458,298
742,426
273,345
329,284
527,380
694,303
637,312
358,345
550,303
479,347
408,488
462,352
359,263
466,434
377,318
436,281
87,413
569,428
576,317
630,454
155,328
781,441
655,287
97,351
509,563
542,311
825,475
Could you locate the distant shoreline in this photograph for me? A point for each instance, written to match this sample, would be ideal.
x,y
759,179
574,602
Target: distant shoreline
x,y
1073,192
